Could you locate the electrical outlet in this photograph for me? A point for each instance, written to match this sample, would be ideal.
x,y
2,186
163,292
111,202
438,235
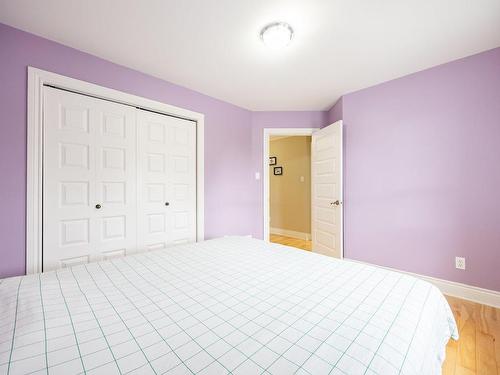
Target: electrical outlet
x,y
460,263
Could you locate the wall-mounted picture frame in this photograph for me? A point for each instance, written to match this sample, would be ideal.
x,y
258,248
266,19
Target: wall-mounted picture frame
x,y
278,171
273,160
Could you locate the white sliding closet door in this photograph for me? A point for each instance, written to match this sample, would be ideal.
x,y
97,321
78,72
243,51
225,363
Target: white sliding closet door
x,y
167,180
89,187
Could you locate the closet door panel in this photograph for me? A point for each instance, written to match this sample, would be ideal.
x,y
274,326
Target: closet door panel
x,y
182,161
116,179
153,183
167,180
69,174
88,161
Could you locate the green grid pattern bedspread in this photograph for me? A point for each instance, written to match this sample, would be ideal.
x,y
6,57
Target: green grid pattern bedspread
x,y
231,305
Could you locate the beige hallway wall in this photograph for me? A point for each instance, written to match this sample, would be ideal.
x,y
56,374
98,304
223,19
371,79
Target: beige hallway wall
x,y
290,198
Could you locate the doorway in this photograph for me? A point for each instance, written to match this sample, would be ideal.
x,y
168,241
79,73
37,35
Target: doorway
x,y
321,184
290,190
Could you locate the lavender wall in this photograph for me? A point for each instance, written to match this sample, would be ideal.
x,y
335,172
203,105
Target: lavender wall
x,y
422,171
336,113
260,121
228,182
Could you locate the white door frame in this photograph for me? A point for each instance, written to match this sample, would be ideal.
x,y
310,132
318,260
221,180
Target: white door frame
x,y
37,78
268,132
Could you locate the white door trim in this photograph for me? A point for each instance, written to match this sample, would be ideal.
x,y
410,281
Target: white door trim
x,y
37,78
268,132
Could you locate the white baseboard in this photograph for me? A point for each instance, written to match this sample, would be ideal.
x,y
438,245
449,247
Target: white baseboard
x,y
454,289
290,233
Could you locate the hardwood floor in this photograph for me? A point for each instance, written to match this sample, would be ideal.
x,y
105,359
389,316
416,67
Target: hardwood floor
x,y
477,352
289,241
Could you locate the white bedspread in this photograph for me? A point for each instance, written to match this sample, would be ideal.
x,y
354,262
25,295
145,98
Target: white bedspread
x,y
232,305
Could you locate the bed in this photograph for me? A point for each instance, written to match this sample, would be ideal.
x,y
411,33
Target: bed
x,y
231,305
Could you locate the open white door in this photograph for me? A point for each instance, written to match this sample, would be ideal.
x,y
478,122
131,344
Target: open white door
x,y
326,190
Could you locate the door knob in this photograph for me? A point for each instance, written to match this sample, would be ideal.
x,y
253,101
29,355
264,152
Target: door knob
x,y
167,204
336,203
98,206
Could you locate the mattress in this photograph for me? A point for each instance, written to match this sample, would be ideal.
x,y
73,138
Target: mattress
x,y
231,305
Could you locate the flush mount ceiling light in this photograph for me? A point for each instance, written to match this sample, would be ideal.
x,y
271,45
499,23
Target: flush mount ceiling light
x,y
277,34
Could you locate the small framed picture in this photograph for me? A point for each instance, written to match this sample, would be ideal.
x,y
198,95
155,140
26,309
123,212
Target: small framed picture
x,y
273,160
278,171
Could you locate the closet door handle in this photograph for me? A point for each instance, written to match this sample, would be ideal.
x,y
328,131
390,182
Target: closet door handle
x,y
167,204
98,206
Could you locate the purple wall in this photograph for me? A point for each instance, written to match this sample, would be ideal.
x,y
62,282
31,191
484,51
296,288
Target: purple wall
x,y
336,113
422,171
228,183
260,121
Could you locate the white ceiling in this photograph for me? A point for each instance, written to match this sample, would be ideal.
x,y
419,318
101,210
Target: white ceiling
x,y
213,46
